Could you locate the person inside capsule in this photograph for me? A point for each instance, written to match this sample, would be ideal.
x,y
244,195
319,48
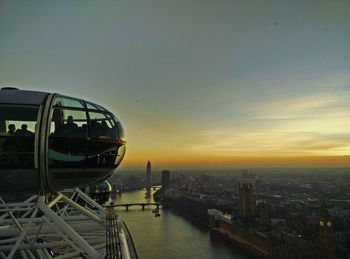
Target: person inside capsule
x,y
24,131
12,130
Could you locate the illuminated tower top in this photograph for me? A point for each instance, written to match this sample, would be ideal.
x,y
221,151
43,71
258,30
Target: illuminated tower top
x,y
326,234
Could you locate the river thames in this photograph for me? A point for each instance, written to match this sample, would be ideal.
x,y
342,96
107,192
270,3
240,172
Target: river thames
x,y
171,235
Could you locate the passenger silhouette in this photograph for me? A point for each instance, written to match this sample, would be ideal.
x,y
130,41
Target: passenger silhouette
x,y
24,145
70,127
9,147
24,131
12,129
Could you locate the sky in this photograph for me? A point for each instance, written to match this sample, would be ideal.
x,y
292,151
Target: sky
x,y
195,83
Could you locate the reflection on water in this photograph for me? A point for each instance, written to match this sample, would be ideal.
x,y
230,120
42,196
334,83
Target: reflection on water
x,y
170,235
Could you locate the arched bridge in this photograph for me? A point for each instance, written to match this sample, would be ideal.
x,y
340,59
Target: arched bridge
x,y
142,204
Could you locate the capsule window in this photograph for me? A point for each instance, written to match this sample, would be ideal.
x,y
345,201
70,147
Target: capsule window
x,y
101,126
68,136
102,144
120,154
119,128
93,106
17,133
68,102
68,123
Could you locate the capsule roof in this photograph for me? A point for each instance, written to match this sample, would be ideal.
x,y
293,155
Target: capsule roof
x,y
13,96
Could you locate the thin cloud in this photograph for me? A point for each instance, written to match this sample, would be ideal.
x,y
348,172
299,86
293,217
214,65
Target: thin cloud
x,y
272,142
304,106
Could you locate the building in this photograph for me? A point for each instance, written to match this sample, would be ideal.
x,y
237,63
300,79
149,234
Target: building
x,y
148,177
165,179
232,230
326,234
271,245
246,200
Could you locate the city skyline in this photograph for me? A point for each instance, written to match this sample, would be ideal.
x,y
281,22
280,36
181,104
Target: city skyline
x,y
196,83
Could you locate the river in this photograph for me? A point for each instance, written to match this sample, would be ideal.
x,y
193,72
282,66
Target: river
x,y
171,236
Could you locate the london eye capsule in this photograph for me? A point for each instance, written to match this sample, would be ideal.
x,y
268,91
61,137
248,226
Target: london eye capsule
x,y
50,142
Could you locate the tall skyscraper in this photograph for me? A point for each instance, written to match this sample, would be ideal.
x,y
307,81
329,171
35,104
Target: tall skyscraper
x,y
148,177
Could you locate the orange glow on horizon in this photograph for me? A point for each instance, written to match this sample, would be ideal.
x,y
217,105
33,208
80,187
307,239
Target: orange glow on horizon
x,y
290,162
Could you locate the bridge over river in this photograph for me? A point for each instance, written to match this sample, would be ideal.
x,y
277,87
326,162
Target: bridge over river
x,y
141,204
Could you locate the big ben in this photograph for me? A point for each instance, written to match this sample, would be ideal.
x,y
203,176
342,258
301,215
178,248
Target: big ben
x,y
326,234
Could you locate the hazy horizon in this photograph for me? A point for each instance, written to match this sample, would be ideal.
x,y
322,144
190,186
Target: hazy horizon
x,y
160,167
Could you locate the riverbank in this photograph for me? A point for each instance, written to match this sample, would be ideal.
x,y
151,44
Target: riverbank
x,y
196,211
173,235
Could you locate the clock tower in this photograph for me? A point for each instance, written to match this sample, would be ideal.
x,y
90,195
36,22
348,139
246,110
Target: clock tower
x,y
326,233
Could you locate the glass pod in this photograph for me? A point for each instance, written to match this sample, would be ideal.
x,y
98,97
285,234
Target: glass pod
x,y
50,142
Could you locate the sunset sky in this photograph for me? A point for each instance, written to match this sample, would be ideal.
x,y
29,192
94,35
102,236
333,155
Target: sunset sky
x,y
195,83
